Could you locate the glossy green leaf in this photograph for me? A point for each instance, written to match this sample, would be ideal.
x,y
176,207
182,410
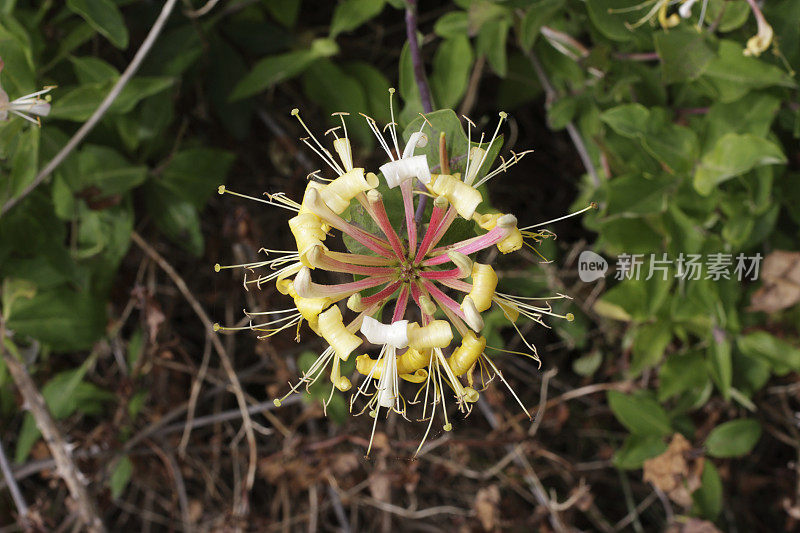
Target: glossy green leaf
x,y
708,498
492,43
103,16
734,438
350,14
684,54
639,413
719,361
176,217
732,156
108,170
452,24
272,70
120,477
451,69
649,344
783,356
538,15
196,173
65,319
636,450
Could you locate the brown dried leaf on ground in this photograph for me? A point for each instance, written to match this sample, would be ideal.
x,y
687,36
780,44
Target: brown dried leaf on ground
x,y
692,525
486,502
675,472
781,288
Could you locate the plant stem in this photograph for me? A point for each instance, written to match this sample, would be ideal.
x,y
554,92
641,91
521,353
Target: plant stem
x,y
422,83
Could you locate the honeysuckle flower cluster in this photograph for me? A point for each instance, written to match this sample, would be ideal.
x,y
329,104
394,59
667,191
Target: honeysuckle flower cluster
x,y
415,306
25,106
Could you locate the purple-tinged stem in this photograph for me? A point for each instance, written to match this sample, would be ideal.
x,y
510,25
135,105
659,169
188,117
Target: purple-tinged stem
x,y
416,56
422,83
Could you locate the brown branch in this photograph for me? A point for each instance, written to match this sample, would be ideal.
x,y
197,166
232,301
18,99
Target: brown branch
x,y
55,441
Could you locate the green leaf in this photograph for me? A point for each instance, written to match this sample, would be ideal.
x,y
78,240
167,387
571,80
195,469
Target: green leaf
x,y
639,413
120,477
649,343
719,361
445,120
492,43
60,317
733,74
24,163
64,394
734,438
636,450
732,156
284,11
588,364
708,498
635,196
684,54
103,16
752,113
93,70
629,120
176,217
350,14
16,50
79,103
336,91
451,67
108,170
614,17
271,70
681,373
537,16
560,113
196,173
376,88
452,24
783,356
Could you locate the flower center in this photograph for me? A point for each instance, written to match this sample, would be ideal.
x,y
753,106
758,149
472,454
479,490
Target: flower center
x,y
407,271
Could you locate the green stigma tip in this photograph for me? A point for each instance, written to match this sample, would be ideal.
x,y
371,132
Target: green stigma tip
x,y
448,427
277,402
217,267
391,90
221,189
295,112
216,326
503,114
570,317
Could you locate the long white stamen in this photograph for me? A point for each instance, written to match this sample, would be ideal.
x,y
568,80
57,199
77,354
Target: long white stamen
x,y
576,213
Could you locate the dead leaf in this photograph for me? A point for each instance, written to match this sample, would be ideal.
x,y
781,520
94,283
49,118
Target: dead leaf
x,y
692,525
486,502
781,287
675,472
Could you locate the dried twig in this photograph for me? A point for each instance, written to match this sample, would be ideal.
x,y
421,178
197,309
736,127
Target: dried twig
x,y
223,355
13,488
112,95
55,441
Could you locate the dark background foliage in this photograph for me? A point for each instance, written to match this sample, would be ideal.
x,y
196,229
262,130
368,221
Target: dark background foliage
x,y
688,146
